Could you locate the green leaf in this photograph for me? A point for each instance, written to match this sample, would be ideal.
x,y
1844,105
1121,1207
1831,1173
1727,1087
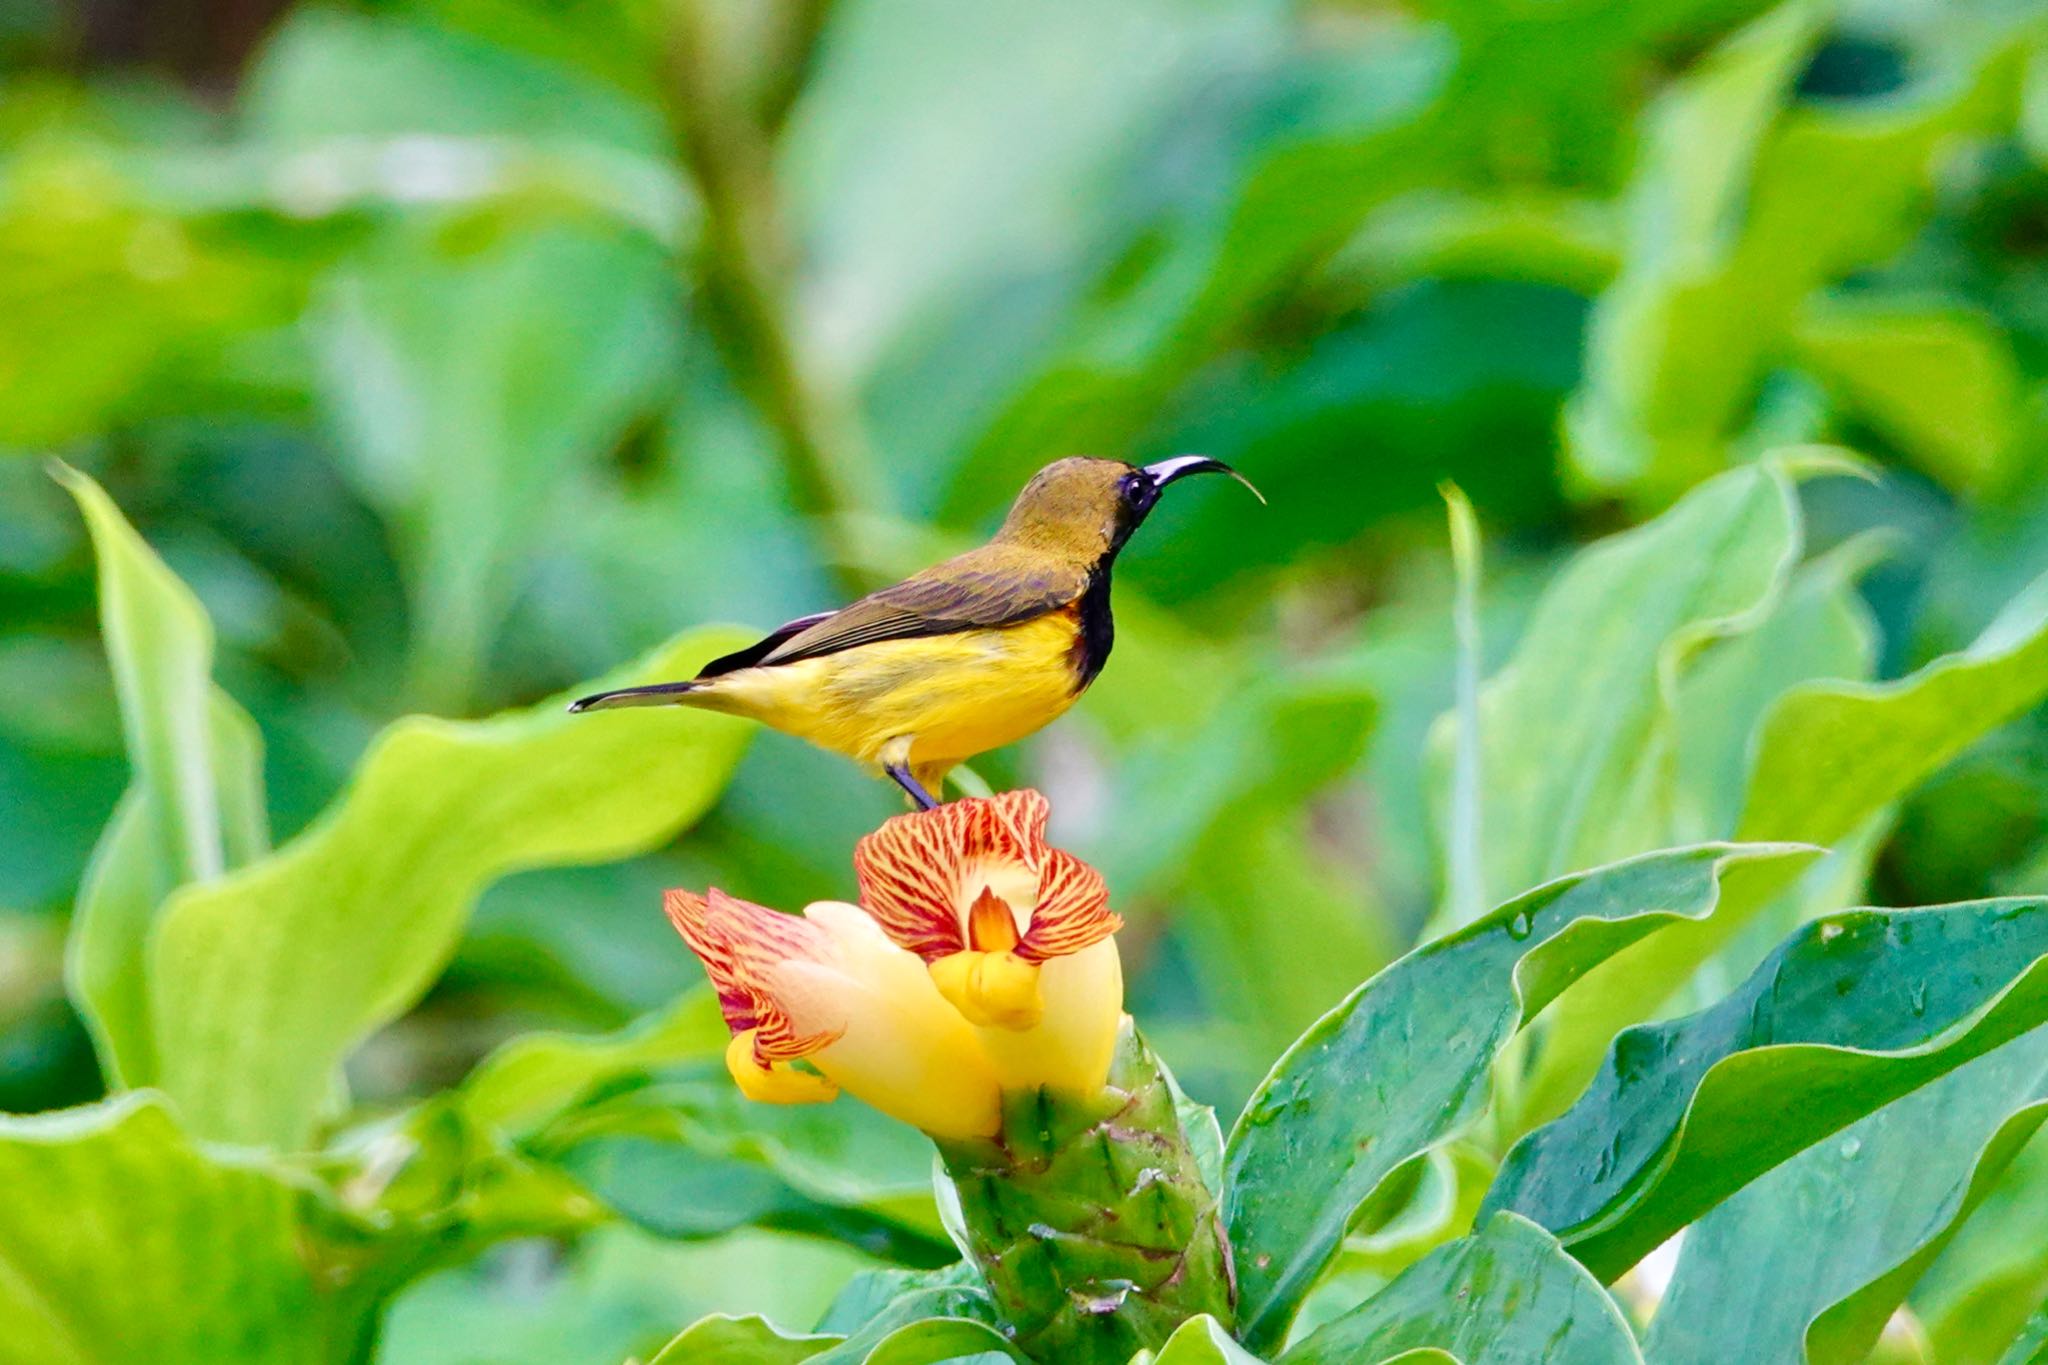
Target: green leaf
x,y
265,980
123,1240
1829,757
1389,1073
2031,1347
1809,1261
1939,382
195,807
1978,1294
531,1080
1850,1013
1202,1341
1577,731
752,1340
924,1326
1506,1295
868,1294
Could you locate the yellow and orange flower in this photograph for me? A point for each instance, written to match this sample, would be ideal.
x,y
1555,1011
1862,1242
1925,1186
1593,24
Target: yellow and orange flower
x,y
980,960
829,989
1018,934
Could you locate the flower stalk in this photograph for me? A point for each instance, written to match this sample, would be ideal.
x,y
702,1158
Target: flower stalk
x,y
1088,1216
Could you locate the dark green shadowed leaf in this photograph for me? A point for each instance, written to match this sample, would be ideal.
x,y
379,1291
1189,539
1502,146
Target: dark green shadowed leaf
x,y
1808,1262
1391,1072
265,980
1507,1295
1849,1014
195,806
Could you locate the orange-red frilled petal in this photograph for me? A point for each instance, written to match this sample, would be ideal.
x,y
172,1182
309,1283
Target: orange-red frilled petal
x,y
909,875
1072,912
740,944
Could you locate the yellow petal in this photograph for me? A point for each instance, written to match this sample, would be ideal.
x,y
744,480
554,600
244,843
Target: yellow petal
x,y
992,990
904,1050
1071,1046
779,1083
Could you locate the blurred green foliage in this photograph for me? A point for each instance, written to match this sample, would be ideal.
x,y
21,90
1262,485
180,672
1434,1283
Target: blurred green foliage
x,y
450,352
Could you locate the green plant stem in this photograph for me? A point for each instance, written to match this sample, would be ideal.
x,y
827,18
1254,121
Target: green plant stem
x,y
1089,1218
742,265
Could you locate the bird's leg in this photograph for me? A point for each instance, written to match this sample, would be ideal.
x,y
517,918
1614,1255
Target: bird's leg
x,y
896,762
911,786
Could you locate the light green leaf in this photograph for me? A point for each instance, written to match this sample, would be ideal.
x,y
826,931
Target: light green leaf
x,y
753,1340
870,1293
1850,1013
1809,1261
264,981
1577,731
535,1077
1830,756
195,807
1506,1295
927,1326
1940,382
2031,1347
1389,1074
123,1241
1200,1341
1978,1294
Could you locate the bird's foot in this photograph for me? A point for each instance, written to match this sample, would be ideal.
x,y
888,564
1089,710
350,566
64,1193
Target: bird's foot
x,y
911,786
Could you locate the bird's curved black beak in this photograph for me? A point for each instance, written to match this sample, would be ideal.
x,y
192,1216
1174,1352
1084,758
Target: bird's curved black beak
x,y
1164,472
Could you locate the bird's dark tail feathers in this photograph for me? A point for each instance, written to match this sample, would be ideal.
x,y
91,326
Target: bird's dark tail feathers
x,y
656,694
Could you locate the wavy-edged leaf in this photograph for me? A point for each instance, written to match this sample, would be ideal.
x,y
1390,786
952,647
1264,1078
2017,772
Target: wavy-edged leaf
x,y
123,1240
1576,732
1202,1341
263,981
752,1340
1809,1261
1850,1013
1390,1073
1829,757
1506,1295
535,1077
195,807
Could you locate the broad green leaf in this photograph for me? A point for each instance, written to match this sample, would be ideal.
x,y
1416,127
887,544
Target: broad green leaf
x,y
1940,382
1506,1295
1850,1013
1978,1294
536,1076
1577,732
121,1240
265,980
1809,1261
195,807
1389,1074
1829,757
1200,1341
926,1326
723,1340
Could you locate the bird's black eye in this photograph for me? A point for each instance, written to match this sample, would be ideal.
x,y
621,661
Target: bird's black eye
x,y
1136,490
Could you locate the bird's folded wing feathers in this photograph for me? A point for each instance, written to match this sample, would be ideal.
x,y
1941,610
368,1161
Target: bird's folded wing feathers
x,y
978,590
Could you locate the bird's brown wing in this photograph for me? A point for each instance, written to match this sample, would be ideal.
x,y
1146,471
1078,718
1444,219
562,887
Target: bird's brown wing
x,y
992,586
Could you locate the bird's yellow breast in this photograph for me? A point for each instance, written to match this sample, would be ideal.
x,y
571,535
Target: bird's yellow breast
x,y
952,696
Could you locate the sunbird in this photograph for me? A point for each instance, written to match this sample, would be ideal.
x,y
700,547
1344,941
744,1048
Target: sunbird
x,y
966,656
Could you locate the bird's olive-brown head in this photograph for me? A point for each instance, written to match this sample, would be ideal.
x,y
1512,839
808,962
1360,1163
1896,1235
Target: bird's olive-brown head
x,y
1085,509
